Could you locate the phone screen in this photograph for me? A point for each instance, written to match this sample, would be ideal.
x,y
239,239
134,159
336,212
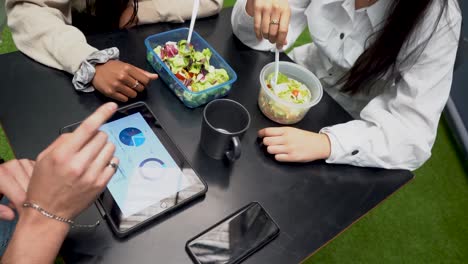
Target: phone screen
x,y
234,238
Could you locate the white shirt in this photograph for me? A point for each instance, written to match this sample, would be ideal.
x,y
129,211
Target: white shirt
x,y
395,126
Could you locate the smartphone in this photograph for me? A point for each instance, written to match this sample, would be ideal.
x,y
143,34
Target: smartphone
x,y
234,238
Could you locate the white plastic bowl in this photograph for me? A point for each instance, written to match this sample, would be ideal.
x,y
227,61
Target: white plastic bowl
x,y
281,111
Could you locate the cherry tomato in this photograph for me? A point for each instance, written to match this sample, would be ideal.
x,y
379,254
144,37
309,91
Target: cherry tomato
x,y
295,93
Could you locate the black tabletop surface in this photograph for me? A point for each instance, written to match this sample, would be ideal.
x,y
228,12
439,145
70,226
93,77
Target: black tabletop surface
x,y
312,203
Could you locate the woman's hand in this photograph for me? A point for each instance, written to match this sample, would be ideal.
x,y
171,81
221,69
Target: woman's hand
x,y
14,181
120,80
73,171
271,19
290,144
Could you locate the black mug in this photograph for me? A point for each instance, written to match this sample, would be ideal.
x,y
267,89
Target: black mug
x,y
224,124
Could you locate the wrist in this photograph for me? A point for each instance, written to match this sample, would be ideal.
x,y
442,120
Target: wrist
x,y
31,218
36,239
326,146
83,78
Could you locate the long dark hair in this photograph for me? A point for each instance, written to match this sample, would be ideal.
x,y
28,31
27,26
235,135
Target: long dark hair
x,y
103,15
380,58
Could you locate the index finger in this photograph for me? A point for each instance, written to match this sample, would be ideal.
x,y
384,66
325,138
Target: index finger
x,y
271,132
90,127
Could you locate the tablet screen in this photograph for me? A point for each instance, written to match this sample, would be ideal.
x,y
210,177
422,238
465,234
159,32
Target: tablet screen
x,y
153,176
147,173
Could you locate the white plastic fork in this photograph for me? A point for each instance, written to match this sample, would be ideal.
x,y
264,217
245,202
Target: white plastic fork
x,y
196,5
276,66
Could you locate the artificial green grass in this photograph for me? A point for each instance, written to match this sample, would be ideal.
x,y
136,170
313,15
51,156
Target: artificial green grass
x,y
424,222
5,151
7,44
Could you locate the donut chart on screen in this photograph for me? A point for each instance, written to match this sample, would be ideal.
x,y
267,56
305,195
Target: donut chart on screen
x,y
132,137
151,163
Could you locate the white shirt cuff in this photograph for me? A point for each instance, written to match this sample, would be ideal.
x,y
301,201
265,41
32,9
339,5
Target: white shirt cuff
x,y
341,154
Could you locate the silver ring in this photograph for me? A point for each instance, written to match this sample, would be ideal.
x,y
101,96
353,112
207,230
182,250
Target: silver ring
x,y
274,22
113,165
136,84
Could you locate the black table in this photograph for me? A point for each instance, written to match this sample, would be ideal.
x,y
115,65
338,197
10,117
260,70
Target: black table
x,y
312,202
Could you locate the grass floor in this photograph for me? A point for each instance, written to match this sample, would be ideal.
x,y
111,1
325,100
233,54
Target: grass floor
x,y
425,222
7,44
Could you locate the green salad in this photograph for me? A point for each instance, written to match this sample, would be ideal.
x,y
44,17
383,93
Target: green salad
x,y
191,67
277,104
288,89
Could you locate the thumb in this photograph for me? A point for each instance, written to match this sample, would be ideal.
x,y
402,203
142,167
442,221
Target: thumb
x,y
6,213
152,76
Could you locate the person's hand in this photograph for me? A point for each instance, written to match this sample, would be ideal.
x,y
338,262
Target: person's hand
x,y
290,144
126,16
14,181
74,169
120,80
271,19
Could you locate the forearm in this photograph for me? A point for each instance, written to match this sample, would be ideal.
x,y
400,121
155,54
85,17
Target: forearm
x,y
37,239
41,29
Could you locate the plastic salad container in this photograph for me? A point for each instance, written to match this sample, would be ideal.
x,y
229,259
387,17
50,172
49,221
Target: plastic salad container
x,y
282,111
189,98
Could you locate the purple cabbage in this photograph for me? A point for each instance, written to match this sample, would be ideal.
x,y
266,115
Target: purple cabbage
x,y
171,50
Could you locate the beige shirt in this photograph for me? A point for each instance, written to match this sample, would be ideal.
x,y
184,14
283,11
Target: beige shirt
x,y
42,28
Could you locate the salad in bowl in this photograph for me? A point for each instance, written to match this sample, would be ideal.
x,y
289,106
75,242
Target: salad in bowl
x,y
191,67
289,99
195,72
288,89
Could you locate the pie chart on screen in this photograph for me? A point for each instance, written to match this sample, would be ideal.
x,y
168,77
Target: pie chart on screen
x,y
131,136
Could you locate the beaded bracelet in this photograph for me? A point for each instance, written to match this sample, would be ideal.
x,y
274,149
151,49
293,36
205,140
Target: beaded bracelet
x,y
55,217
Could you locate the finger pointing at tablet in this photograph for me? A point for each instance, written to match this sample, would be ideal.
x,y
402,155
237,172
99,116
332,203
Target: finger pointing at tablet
x,y
89,128
74,169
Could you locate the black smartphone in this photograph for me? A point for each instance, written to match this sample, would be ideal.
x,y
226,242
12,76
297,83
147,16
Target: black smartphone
x,y
234,238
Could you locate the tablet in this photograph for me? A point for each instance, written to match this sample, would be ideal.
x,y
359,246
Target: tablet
x,y
153,177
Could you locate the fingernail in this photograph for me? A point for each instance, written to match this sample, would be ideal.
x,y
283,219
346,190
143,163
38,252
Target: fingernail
x,y
5,216
112,106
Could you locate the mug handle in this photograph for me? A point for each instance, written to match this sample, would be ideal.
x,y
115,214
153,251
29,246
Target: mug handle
x,y
235,153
